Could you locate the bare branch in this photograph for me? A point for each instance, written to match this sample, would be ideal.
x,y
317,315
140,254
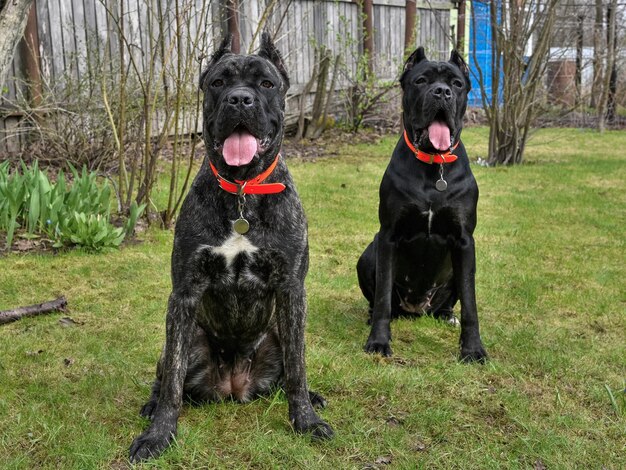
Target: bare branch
x,y
57,305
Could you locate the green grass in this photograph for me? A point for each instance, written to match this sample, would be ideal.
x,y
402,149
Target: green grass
x,y
552,304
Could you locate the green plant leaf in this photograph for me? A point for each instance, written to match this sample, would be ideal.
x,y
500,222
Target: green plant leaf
x,y
34,209
10,232
134,214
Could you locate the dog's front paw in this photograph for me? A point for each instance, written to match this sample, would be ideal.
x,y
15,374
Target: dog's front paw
x,y
382,347
150,444
379,338
474,354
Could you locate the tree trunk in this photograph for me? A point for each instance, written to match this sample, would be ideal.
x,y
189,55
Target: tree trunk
x,y
329,97
596,86
367,13
612,71
30,56
410,10
233,25
303,97
460,30
13,19
516,78
610,59
320,94
579,60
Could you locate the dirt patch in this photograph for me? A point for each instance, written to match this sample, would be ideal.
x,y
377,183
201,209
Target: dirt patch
x,y
27,245
42,245
330,143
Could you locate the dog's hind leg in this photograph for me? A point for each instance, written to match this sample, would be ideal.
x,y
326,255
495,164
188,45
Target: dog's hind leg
x,y
447,315
366,273
444,309
147,410
317,400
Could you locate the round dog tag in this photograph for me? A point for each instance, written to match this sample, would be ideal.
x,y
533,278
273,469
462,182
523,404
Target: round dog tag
x,y
241,226
441,185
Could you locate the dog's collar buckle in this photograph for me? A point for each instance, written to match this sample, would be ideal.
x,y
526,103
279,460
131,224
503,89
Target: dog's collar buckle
x,y
241,189
430,158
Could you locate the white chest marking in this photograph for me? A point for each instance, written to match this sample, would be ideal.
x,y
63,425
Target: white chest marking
x,y
234,245
429,213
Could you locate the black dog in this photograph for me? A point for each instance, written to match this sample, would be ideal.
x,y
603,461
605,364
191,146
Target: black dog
x,y
422,260
236,314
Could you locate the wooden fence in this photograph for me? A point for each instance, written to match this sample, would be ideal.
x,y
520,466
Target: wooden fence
x,y
77,36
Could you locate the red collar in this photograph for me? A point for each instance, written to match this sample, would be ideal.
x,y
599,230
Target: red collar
x,y
446,157
251,186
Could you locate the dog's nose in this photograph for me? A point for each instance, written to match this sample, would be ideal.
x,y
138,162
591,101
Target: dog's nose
x,y
442,92
240,98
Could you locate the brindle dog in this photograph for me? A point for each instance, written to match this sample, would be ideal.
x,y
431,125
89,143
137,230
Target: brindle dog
x,y
236,314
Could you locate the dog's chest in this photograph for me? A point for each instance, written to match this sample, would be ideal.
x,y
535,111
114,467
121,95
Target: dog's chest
x,y
432,223
427,216
235,264
246,266
234,246
239,299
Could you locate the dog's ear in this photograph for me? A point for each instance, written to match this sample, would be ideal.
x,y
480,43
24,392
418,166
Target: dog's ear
x,y
457,59
268,51
221,51
417,56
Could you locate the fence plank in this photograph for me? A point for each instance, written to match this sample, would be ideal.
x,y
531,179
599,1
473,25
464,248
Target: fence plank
x,y
12,139
3,137
82,9
57,54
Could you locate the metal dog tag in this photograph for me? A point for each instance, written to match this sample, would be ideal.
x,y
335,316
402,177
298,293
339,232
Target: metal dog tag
x,y
441,184
241,226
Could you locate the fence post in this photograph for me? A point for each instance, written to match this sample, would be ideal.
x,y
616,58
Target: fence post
x,y
232,12
367,14
460,29
29,50
410,11
13,16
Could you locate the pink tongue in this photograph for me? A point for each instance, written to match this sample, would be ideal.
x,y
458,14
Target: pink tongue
x,y
239,148
439,135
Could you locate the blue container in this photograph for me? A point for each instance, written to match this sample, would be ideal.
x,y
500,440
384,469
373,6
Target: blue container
x,y
480,49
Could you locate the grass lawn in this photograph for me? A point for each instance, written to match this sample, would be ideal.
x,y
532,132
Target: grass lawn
x,y
552,303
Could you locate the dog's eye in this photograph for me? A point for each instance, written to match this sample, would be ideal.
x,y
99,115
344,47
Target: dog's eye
x,y
267,84
420,80
217,83
457,83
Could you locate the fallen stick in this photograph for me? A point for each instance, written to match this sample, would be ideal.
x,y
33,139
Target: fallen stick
x,y
57,305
